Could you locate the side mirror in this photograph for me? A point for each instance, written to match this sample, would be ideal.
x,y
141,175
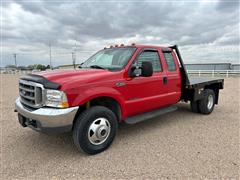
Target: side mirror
x,y
147,69
80,66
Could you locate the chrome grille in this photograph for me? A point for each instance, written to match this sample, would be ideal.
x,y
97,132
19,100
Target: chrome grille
x,y
31,93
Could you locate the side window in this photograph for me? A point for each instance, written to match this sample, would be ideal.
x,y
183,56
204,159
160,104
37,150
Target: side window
x,y
151,56
170,61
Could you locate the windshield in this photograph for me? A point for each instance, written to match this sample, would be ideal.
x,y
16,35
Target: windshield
x,y
112,59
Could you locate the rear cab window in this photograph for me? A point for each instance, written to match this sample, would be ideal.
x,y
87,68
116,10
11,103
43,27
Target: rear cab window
x,y
170,61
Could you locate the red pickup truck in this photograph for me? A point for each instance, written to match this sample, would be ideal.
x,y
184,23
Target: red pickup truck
x,y
118,84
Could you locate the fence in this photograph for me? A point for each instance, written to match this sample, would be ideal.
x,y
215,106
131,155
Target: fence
x,y
17,71
214,73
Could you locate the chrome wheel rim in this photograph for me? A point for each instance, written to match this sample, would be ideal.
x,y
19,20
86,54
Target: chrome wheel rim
x,y
99,131
210,101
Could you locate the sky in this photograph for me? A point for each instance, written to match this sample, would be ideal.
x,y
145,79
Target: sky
x,y
207,31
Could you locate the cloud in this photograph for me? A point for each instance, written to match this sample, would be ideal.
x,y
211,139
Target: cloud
x,y
228,6
29,27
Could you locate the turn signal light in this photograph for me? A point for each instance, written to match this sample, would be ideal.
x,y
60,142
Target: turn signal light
x,y
64,105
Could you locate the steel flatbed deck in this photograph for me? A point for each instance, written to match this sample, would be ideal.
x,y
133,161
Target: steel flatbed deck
x,y
203,81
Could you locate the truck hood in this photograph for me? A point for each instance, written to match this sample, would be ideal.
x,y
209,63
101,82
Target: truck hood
x,y
63,77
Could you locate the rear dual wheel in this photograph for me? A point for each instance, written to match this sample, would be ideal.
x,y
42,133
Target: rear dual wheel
x,y
206,104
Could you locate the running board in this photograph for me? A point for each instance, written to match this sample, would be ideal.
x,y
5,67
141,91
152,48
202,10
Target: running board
x,y
150,115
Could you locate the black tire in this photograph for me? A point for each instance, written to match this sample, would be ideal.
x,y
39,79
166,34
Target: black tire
x,y
195,106
82,125
203,103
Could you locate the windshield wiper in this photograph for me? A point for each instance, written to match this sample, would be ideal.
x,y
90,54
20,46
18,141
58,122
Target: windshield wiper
x,y
97,67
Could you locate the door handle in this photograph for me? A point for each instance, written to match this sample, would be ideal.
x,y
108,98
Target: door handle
x,y
165,80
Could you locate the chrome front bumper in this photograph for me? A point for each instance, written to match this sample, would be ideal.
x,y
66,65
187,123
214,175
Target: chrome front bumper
x,y
46,119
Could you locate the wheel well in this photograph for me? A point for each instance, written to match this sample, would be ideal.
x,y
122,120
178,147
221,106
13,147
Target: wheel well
x,y
107,102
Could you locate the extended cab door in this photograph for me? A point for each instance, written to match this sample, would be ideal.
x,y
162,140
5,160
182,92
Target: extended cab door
x,y
145,93
173,76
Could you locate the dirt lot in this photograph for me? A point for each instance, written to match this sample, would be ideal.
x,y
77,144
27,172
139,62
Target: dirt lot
x,y
179,145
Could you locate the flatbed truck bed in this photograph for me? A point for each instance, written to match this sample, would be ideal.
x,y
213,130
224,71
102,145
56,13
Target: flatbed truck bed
x,y
203,81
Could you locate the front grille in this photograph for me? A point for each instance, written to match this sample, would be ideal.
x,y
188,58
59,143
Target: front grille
x,y
31,94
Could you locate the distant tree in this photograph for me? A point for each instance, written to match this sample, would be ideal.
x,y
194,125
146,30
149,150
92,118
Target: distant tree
x,y
41,67
48,67
37,66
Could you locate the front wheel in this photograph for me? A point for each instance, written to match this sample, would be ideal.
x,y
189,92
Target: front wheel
x,y
95,129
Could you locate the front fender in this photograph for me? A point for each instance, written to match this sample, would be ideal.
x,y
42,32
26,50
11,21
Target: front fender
x,y
85,95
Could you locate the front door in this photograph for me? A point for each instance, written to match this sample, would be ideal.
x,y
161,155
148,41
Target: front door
x,y
145,93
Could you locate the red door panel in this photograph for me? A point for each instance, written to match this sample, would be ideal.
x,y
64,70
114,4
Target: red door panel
x,y
146,93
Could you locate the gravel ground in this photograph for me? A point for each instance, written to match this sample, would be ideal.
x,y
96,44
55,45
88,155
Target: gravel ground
x,y
179,145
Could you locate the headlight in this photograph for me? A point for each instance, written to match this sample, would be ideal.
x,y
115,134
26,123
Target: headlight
x,y
55,98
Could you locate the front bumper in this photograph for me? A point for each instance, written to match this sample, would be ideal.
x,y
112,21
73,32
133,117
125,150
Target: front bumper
x,y
47,120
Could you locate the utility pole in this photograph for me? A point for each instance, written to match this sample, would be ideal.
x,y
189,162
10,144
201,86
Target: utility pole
x,y
15,59
74,59
74,55
50,55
